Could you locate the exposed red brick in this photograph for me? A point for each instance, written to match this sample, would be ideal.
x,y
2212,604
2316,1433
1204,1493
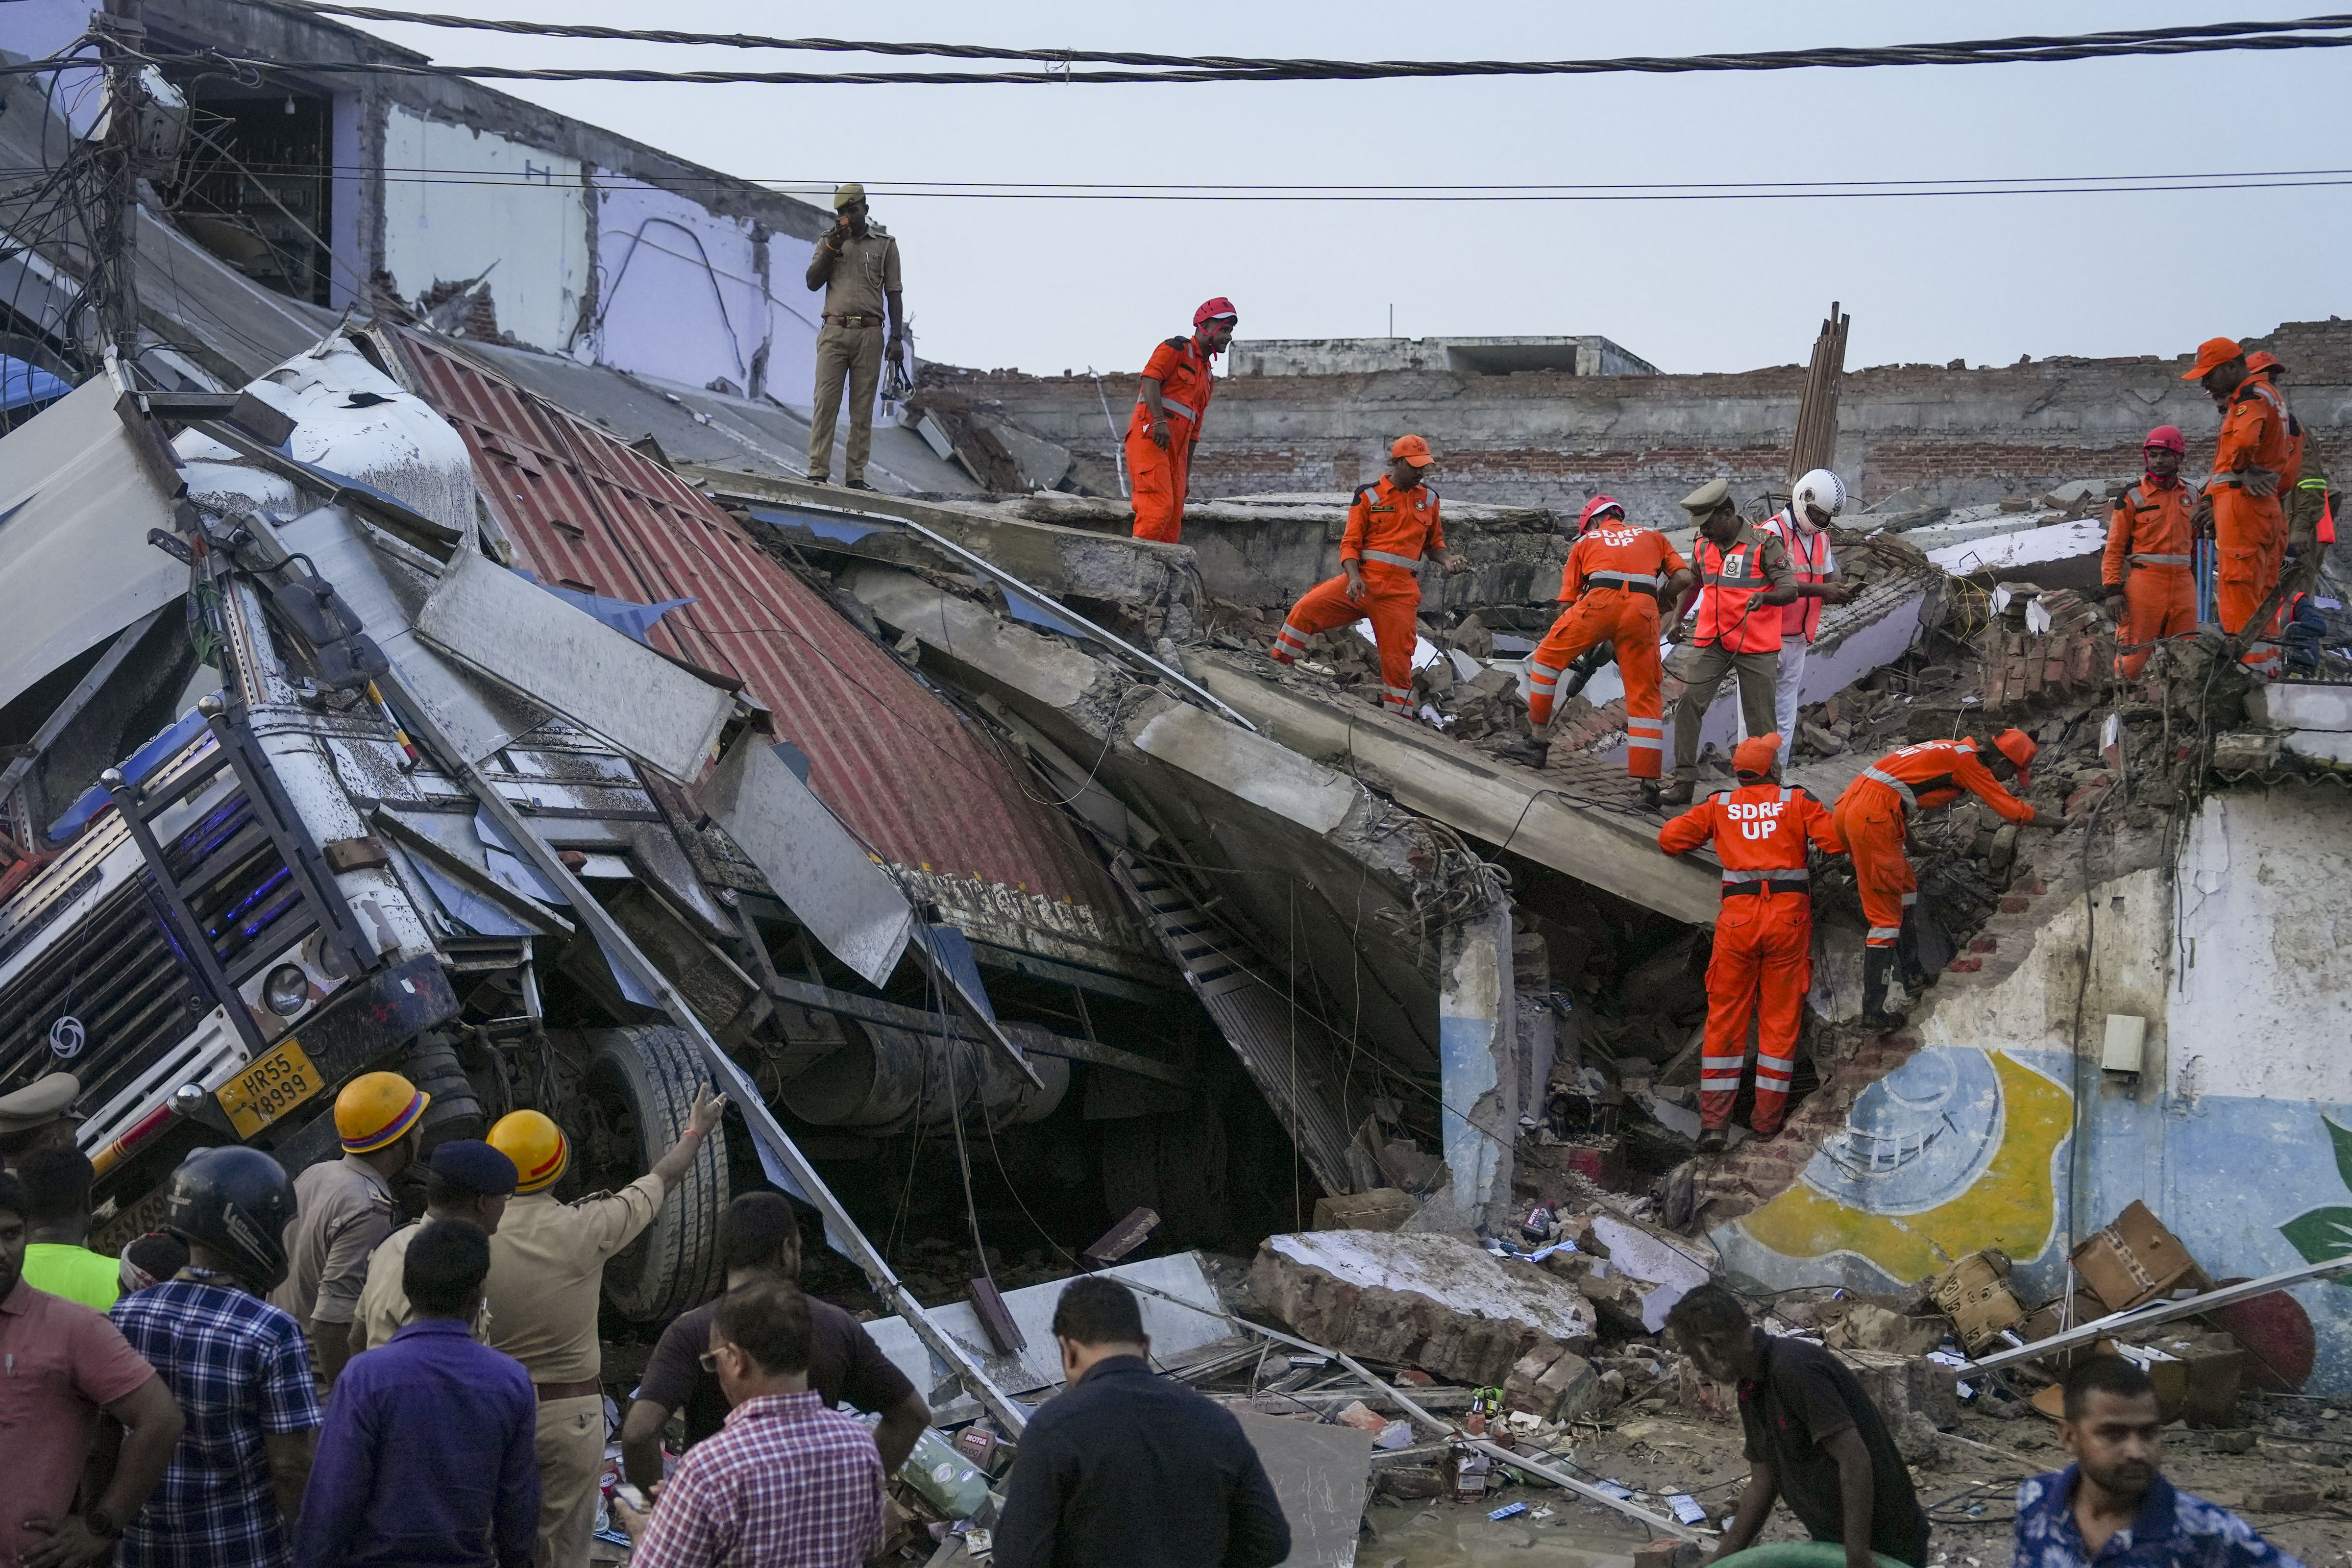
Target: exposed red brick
x,y
1985,944
2013,905
1964,966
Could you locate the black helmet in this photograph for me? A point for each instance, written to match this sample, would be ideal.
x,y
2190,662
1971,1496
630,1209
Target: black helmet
x,y
238,1202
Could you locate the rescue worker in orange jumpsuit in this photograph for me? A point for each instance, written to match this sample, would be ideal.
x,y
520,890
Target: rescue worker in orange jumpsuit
x,y
2250,464
1873,816
2152,536
1392,524
1763,962
2303,496
1615,576
1170,404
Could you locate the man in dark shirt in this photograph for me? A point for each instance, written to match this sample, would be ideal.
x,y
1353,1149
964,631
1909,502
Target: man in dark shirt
x,y
759,1238
1814,1436
430,1454
1124,1466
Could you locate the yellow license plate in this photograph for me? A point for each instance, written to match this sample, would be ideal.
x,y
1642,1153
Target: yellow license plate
x,y
269,1088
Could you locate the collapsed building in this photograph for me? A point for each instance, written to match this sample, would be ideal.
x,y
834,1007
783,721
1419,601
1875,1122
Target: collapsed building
x,y
405,685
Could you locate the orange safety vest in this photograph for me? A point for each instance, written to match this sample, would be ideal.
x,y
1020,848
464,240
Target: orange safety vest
x,y
1187,378
1759,832
1809,553
2150,526
1728,617
1389,527
2254,439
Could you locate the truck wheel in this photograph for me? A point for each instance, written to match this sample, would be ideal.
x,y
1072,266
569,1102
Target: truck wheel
x,y
639,1091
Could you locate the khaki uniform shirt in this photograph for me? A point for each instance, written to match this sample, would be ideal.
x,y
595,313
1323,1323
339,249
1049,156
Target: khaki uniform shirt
x,y
861,275
384,1303
343,1212
547,1269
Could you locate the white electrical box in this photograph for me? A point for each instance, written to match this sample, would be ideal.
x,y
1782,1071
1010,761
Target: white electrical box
x,y
2127,1037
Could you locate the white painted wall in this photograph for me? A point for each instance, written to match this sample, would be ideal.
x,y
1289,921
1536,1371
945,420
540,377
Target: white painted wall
x,y
794,318
679,290
2265,999
532,238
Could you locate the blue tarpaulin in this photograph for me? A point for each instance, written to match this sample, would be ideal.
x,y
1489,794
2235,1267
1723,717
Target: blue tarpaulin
x,y
22,383
624,616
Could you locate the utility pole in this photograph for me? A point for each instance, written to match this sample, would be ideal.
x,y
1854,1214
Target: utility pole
x,y
113,276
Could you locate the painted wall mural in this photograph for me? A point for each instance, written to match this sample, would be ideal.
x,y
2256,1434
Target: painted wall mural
x,y
1957,1150
2325,1232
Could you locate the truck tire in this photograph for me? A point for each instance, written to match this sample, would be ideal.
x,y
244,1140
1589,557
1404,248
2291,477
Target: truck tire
x,y
639,1091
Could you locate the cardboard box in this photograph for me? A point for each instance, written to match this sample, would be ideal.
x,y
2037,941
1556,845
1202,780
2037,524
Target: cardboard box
x,y
1974,1293
2134,1260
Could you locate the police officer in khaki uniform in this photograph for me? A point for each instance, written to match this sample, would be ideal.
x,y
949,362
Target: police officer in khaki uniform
x,y
857,265
38,1116
345,1208
547,1270
467,1180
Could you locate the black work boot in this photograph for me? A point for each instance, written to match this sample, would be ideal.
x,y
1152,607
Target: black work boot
x,y
1678,793
1912,972
1713,1141
1877,965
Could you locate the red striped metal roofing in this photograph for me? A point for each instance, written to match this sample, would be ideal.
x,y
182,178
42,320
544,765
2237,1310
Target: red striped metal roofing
x,y
901,767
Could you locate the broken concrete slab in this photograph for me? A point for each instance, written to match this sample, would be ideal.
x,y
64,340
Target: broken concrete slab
x,y
2057,556
1610,849
1432,1302
2318,721
1477,1029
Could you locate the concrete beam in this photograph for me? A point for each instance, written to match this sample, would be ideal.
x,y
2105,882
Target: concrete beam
x,y
1425,772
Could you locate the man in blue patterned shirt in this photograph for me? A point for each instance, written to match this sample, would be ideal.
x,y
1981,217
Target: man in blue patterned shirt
x,y
237,1366
2112,1507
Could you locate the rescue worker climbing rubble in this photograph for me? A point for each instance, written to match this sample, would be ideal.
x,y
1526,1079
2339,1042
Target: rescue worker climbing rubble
x,y
2150,560
1873,817
2250,464
1170,404
1392,524
1803,528
1614,579
1763,960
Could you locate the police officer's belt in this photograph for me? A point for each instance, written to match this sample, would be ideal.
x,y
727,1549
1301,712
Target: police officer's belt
x,y
855,321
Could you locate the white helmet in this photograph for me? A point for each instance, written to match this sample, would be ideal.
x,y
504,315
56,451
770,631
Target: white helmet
x,y
1821,488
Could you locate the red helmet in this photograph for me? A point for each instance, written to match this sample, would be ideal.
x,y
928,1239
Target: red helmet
x,y
2169,438
2019,748
1218,309
1593,510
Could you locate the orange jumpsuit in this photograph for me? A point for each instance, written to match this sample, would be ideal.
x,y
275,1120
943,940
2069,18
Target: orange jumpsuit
x,y
2250,529
1158,477
1872,814
1763,962
2150,534
1611,586
1389,531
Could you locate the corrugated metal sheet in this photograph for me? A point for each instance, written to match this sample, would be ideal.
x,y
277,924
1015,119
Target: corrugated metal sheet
x,y
898,766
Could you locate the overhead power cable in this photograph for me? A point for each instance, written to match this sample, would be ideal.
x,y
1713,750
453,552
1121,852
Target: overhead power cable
x,y
2333,31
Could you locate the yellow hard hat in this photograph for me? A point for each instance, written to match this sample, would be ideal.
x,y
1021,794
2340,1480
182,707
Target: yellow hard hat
x,y
376,1110
535,1145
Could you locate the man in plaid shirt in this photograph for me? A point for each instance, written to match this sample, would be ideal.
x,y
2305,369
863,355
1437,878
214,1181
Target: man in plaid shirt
x,y
786,1481
239,1367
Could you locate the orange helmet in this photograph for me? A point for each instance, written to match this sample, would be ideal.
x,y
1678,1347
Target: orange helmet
x,y
535,1145
1754,757
2019,748
2262,359
377,1109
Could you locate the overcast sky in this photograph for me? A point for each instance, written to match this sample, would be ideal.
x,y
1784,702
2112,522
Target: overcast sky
x,y
1690,284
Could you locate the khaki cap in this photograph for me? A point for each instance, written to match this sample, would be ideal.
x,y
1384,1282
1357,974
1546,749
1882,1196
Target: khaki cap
x,y
844,194
38,1103
1707,498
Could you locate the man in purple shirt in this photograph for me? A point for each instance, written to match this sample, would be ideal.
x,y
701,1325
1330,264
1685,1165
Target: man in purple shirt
x,y
430,1454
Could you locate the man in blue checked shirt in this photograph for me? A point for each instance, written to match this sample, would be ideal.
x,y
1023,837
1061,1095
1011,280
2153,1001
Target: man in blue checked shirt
x,y
2112,1507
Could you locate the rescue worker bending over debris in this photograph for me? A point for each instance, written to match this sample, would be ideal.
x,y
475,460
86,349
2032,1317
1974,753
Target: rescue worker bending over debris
x,y
2250,464
1744,576
1614,580
2151,536
1393,523
2113,1495
1763,962
1802,527
1873,817
1170,404
1814,1436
